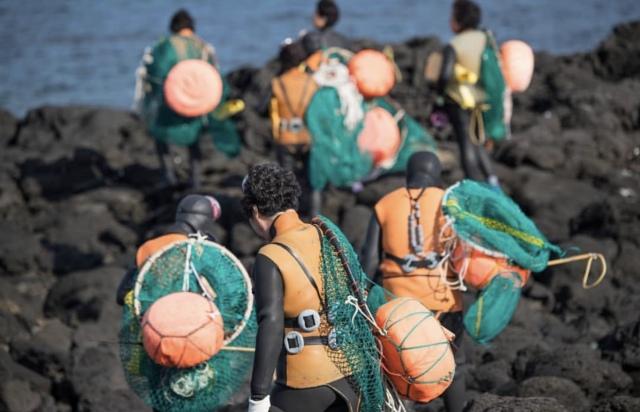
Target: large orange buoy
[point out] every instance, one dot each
(417, 355)
(479, 268)
(380, 136)
(373, 72)
(182, 330)
(517, 64)
(193, 88)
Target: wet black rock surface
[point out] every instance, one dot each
(80, 189)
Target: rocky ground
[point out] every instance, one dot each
(80, 189)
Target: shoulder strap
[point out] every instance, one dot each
(287, 102)
(304, 268)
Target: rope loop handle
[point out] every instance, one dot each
(589, 257)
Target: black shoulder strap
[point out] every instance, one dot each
(304, 268)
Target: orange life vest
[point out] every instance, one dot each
(292, 93)
(150, 247)
(423, 284)
(312, 366)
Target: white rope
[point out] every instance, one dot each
(393, 403)
(353, 301)
(187, 268)
(335, 74)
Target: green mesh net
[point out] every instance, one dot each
(489, 220)
(357, 356)
(335, 158)
(210, 385)
(493, 84)
(494, 308)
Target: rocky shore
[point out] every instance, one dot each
(80, 188)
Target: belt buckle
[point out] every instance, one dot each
(309, 320)
(295, 124)
(293, 342)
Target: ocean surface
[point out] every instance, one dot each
(86, 51)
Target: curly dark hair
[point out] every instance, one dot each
(271, 189)
(467, 14)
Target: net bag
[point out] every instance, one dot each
(489, 221)
(417, 355)
(494, 308)
(344, 283)
(205, 268)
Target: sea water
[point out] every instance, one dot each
(86, 51)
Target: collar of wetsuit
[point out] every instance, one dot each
(186, 229)
(418, 182)
(285, 222)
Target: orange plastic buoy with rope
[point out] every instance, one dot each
(182, 330)
(380, 136)
(193, 88)
(477, 268)
(373, 72)
(416, 349)
(517, 64)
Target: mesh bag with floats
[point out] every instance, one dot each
(495, 249)
(212, 273)
(489, 221)
(344, 284)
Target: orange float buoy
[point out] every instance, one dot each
(517, 64)
(380, 136)
(373, 72)
(182, 330)
(479, 268)
(417, 355)
(193, 88)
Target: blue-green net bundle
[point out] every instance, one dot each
(335, 157)
(493, 309)
(490, 221)
(357, 356)
(210, 385)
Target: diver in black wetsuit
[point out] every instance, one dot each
(289, 301)
(465, 49)
(324, 36)
(387, 245)
(195, 214)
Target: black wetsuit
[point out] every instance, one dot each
(475, 161)
(270, 353)
(322, 39)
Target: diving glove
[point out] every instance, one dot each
(262, 405)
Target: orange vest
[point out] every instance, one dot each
(152, 246)
(292, 93)
(392, 212)
(312, 366)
